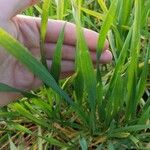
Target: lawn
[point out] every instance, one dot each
(106, 107)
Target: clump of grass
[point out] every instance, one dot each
(102, 109)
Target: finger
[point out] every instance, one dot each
(55, 27)
(23, 78)
(68, 53)
(10, 8)
(106, 57)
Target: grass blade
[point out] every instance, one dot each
(60, 9)
(93, 13)
(83, 144)
(56, 62)
(44, 21)
(22, 111)
(133, 128)
(142, 82)
(125, 10)
(120, 63)
(87, 71)
(132, 70)
(12, 145)
(144, 117)
(7, 88)
(109, 19)
(79, 83)
(103, 6)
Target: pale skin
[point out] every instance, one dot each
(26, 30)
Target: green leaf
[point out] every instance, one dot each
(44, 21)
(133, 128)
(99, 147)
(145, 12)
(51, 140)
(125, 10)
(111, 146)
(7, 88)
(103, 5)
(39, 141)
(60, 9)
(19, 127)
(22, 111)
(93, 13)
(118, 39)
(132, 69)
(79, 85)
(83, 144)
(145, 116)
(108, 21)
(120, 63)
(111, 39)
(44, 106)
(143, 79)
(56, 62)
(12, 145)
(87, 69)
(115, 101)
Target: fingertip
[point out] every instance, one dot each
(106, 57)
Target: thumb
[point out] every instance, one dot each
(10, 8)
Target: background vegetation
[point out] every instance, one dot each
(105, 108)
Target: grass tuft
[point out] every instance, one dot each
(107, 107)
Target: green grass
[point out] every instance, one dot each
(102, 108)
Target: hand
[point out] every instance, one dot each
(27, 30)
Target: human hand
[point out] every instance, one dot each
(27, 30)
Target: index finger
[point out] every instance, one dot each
(55, 27)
